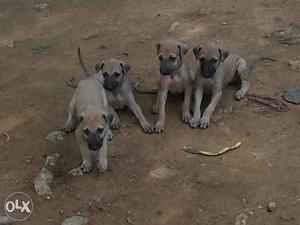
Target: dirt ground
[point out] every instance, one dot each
(205, 190)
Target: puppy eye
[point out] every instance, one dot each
(214, 60)
(172, 58)
(100, 130)
(86, 131)
(202, 59)
(160, 57)
(117, 74)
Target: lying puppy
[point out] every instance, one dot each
(216, 69)
(119, 91)
(88, 115)
(174, 76)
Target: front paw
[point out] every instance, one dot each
(148, 129)
(102, 166)
(195, 122)
(158, 127)
(186, 117)
(86, 166)
(115, 123)
(204, 122)
(70, 125)
(155, 109)
(240, 95)
(110, 135)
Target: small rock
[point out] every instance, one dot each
(173, 26)
(271, 207)
(163, 173)
(5, 220)
(42, 7)
(52, 159)
(267, 64)
(292, 95)
(76, 220)
(224, 23)
(76, 172)
(90, 35)
(8, 43)
(55, 136)
(241, 219)
(294, 64)
(42, 183)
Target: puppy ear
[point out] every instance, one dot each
(183, 49)
(125, 67)
(157, 47)
(107, 117)
(197, 51)
(99, 67)
(223, 55)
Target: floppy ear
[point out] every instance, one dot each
(125, 67)
(157, 48)
(197, 51)
(183, 49)
(223, 55)
(107, 117)
(99, 67)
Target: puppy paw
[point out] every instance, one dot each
(70, 125)
(240, 95)
(110, 135)
(195, 122)
(115, 123)
(102, 166)
(158, 127)
(148, 129)
(204, 122)
(86, 166)
(155, 109)
(186, 117)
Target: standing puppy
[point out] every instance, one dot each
(119, 91)
(216, 69)
(88, 115)
(175, 77)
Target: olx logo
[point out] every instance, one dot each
(18, 206)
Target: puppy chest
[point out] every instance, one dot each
(116, 101)
(176, 84)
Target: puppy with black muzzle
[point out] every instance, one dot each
(175, 77)
(216, 69)
(88, 117)
(119, 91)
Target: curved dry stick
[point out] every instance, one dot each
(6, 135)
(72, 82)
(191, 150)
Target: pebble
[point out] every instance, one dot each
(42, 7)
(76, 220)
(8, 43)
(52, 159)
(241, 219)
(42, 183)
(271, 207)
(76, 172)
(294, 64)
(173, 26)
(55, 136)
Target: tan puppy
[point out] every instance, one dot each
(216, 69)
(174, 76)
(119, 91)
(88, 115)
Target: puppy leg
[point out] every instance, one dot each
(186, 114)
(216, 96)
(243, 74)
(162, 98)
(71, 122)
(195, 121)
(103, 161)
(136, 109)
(86, 164)
(115, 122)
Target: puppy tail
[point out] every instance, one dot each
(145, 91)
(252, 65)
(85, 71)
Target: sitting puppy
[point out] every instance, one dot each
(119, 91)
(174, 76)
(88, 115)
(216, 69)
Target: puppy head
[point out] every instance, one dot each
(170, 54)
(113, 71)
(93, 126)
(209, 58)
